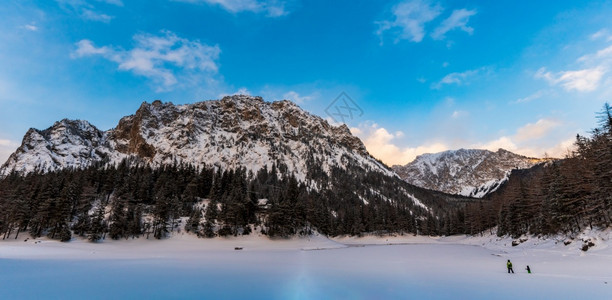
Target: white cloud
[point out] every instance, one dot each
(594, 71)
(584, 80)
(460, 78)
(86, 10)
(295, 97)
(458, 19)
(459, 114)
(30, 27)
(7, 147)
(272, 8)
(95, 16)
(537, 95)
(409, 19)
(603, 34)
(86, 47)
(160, 58)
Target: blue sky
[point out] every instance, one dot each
(427, 76)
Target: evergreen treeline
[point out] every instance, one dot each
(564, 196)
(132, 200)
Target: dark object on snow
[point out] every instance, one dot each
(509, 265)
(237, 248)
(587, 244)
(528, 270)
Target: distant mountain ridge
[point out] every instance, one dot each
(467, 172)
(236, 131)
(168, 161)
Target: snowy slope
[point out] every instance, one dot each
(190, 268)
(467, 172)
(236, 131)
(65, 144)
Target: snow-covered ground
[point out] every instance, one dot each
(400, 267)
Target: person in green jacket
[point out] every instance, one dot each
(509, 265)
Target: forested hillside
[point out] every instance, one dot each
(564, 196)
(131, 201)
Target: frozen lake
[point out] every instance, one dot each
(419, 271)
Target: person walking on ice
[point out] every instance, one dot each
(509, 265)
(528, 269)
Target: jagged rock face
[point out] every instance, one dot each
(467, 172)
(236, 131)
(65, 144)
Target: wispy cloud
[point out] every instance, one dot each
(408, 19)
(458, 19)
(537, 95)
(95, 16)
(461, 78)
(88, 11)
(272, 8)
(459, 114)
(602, 34)
(30, 27)
(161, 58)
(584, 80)
(595, 68)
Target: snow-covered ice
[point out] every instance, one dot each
(401, 267)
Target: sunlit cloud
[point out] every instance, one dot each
(536, 130)
(381, 144)
(531, 140)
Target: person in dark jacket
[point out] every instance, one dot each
(528, 269)
(509, 265)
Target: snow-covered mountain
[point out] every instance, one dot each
(236, 131)
(467, 172)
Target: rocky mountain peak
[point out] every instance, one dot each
(236, 131)
(468, 172)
